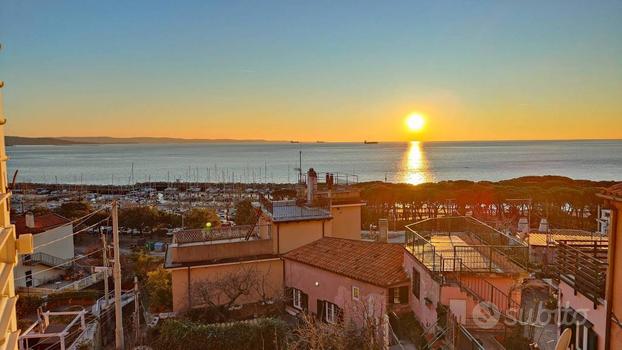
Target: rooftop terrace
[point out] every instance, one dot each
(451, 244)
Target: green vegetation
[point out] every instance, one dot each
(245, 214)
(567, 203)
(262, 334)
(158, 290)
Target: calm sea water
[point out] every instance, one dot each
(413, 162)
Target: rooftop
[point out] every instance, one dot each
(614, 191)
(291, 210)
(377, 263)
(43, 222)
(449, 244)
(556, 235)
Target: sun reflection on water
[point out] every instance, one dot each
(414, 165)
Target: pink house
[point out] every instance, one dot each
(341, 279)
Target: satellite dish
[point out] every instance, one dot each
(564, 340)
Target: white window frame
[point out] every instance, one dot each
(297, 298)
(330, 312)
(356, 293)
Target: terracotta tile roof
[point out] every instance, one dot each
(373, 262)
(615, 190)
(43, 222)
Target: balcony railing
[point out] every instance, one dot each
(583, 266)
(47, 260)
(293, 210)
(223, 233)
(500, 248)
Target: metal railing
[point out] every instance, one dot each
(291, 209)
(223, 233)
(506, 248)
(47, 260)
(485, 291)
(583, 266)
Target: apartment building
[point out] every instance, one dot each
(326, 205)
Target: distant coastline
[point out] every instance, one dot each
(107, 140)
(104, 140)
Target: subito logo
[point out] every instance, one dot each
(486, 315)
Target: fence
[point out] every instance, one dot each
(583, 265)
(222, 233)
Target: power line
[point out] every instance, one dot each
(72, 234)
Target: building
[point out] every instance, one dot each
(342, 279)
(590, 276)
(10, 247)
(463, 267)
(321, 209)
(613, 201)
(53, 238)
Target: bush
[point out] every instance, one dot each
(265, 333)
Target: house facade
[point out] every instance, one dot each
(54, 248)
(337, 279)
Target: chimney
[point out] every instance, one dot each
(311, 185)
(30, 220)
(383, 230)
(544, 225)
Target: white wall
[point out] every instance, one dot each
(63, 248)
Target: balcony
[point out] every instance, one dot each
(445, 244)
(222, 244)
(583, 266)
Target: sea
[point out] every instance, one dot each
(406, 162)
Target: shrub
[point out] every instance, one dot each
(265, 333)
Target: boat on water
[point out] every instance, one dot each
(294, 141)
(370, 142)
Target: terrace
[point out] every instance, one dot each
(454, 244)
(219, 244)
(294, 210)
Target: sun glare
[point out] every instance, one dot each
(415, 122)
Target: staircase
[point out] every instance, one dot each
(47, 260)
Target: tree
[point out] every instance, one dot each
(199, 217)
(74, 210)
(158, 290)
(139, 218)
(245, 213)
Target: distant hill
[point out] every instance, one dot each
(119, 140)
(18, 141)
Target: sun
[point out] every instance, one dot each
(415, 122)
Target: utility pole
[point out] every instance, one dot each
(136, 311)
(118, 310)
(105, 257)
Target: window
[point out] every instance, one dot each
(398, 295)
(356, 293)
(416, 280)
(297, 298)
(331, 312)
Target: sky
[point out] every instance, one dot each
(313, 70)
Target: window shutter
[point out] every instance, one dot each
(391, 294)
(320, 310)
(416, 282)
(304, 301)
(403, 295)
(289, 296)
(592, 339)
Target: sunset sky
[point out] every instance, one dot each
(313, 70)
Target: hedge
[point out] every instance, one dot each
(260, 334)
